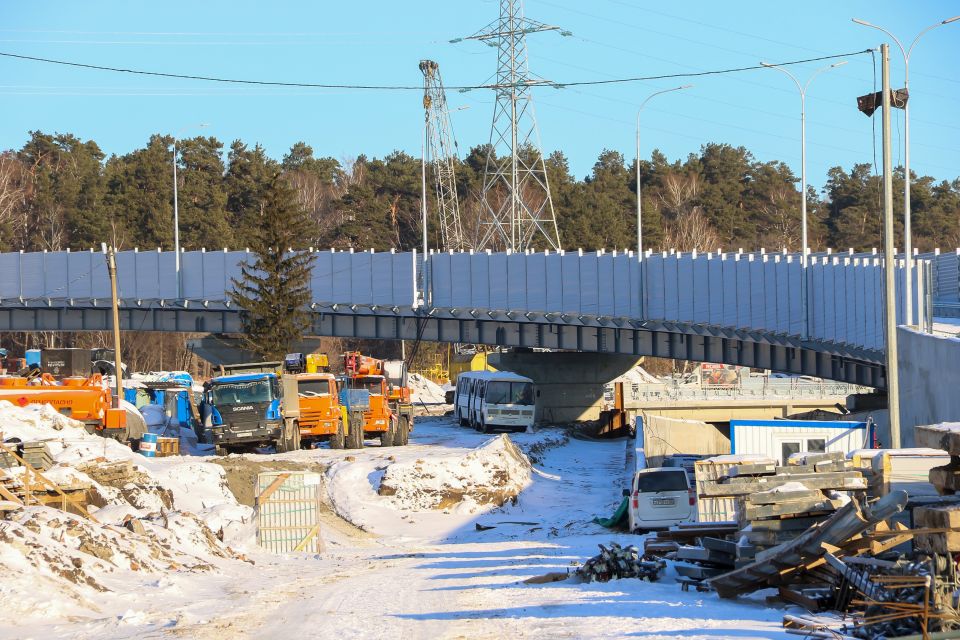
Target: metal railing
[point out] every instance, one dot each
(752, 388)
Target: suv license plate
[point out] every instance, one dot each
(664, 502)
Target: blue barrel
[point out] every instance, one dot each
(148, 445)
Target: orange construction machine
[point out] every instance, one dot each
(387, 412)
(77, 397)
(320, 412)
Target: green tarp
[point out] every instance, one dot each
(619, 518)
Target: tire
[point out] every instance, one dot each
(221, 450)
(389, 437)
(403, 432)
(463, 421)
(355, 436)
(295, 442)
(483, 426)
(338, 440)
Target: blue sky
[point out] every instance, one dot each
(381, 42)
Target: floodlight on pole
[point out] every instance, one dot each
(907, 230)
(802, 88)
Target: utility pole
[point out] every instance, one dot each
(889, 261)
(118, 366)
(516, 206)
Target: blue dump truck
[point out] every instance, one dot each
(244, 412)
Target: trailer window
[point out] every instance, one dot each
(816, 445)
(509, 393)
(787, 449)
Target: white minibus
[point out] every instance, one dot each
(494, 400)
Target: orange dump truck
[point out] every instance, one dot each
(83, 399)
(320, 413)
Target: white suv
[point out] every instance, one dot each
(661, 498)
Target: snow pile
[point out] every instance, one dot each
(425, 391)
(150, 516)
(491, 474)
(638, 375)
(34, 421)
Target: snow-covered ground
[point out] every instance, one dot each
(393, 566)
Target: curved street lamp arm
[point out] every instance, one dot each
(792, 77)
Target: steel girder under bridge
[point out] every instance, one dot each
(739, 308)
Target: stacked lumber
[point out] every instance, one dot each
(168, 447)
(36, 454)
(776, 503)
(946, 436)
(713, 470)
(710, 558)
(942, 520)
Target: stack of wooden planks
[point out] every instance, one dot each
(37, 455)
(939, 524)
(776, 503)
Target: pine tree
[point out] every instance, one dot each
(275, 290)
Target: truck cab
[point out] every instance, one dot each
(320, 412)
(243, 412)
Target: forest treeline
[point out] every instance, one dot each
(59, 192)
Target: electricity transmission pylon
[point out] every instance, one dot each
(441, 150)
(516, 208)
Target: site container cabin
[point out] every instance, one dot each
(488, 400)
(779, 439)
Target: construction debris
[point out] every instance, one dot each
(620, 562)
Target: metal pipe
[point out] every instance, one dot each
(889, 262)
(118, 365)
(176, 223)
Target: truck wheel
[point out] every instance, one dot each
(355, 436)
(483, 426)
(403, 432)
(221, 450)
(389, 437)
(295, 442)
(337, 440)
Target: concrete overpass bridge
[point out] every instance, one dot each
(735, 308)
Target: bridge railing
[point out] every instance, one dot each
(759, 293)
(754, 389)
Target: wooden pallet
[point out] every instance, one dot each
(33, 488)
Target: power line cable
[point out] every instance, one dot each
(398, 87)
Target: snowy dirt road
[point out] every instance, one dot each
(395, 572)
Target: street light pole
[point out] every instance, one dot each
(176, 222)
(803, 178)
(176, 212)
(639, 206)
(907, 231)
